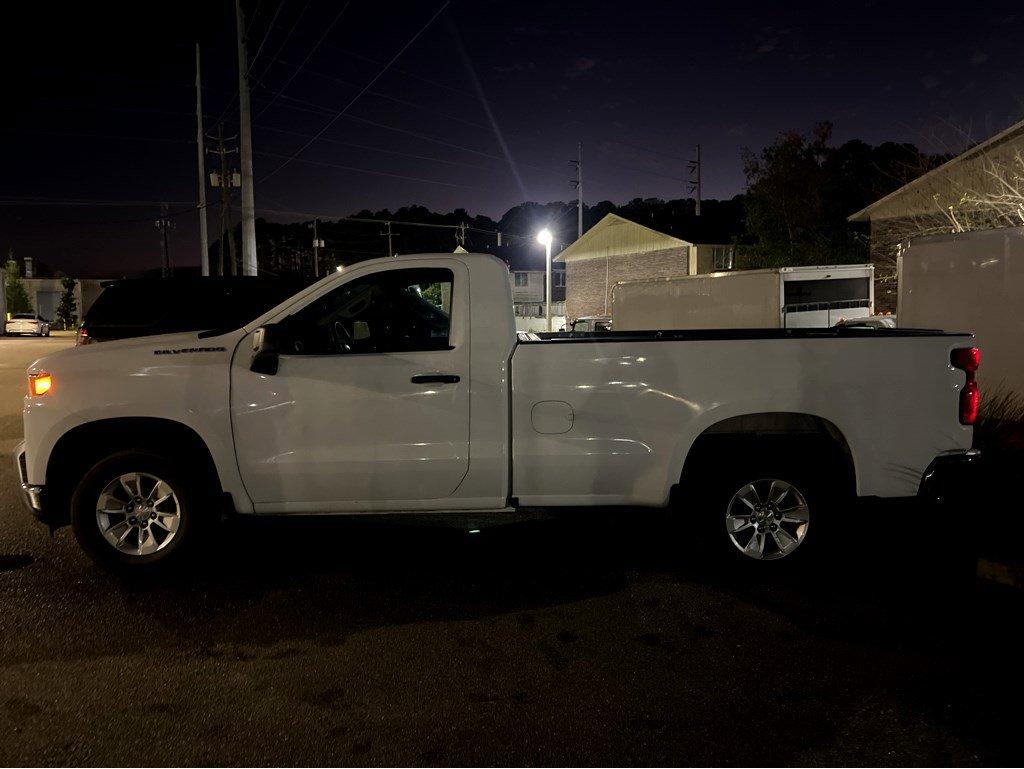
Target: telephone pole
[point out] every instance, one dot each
(695, 182)
(245, 143)
(317, 245)
(387, 231)
(164, 224)
(204, 247)
(225, 179)
(578, 184)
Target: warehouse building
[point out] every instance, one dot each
(617, 249)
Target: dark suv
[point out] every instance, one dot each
(148, 306)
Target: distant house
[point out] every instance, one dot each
(45, 293)
(939, 202)
(617, 249)
(526, 274)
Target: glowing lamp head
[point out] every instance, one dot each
(544, 237)
(39, 384)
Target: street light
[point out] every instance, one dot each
(544, 237)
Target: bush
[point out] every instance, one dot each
(1000, 424)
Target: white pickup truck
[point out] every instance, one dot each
(401, 385)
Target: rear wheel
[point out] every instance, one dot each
(768, 519)
(773, 511)
(135, 511)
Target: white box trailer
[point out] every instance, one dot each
(786, 297)
(970, 281)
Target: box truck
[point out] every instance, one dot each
(786, 297)
(970, 281)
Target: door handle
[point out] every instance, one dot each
(435, 379)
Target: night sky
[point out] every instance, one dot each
(482, 110)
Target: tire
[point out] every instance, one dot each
(146, 545)
(765, 514)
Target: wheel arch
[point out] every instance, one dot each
(83, 446)
(744, 435)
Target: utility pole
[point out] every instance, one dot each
(225, 179)
(204, 247)
(245, 143)
(317, 245)
(578, 184)
(695, 182)
(387, 231)
(164, 224)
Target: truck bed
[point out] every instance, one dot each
(638, 400)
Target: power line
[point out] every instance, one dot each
(395, 99)
(313, 107)
(367, 87)
(304, 105)
(266, 35)
(368, 171)
(284, 42)
(646, 171)
(309, 55)
(111, 137)
(377, 149)
(405, 72)
(41, 201)
(648, 149)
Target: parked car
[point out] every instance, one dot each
(26, 323)
(400, 384)
(150, 306)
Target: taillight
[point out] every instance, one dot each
(39, 384)
(968, 359)
(82, 337)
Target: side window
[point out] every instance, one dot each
(388, 311)
(522, 279)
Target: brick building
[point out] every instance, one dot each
(617, 249)
(934, 204)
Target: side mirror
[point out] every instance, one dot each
(265, 346)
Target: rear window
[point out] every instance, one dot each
(164, 306)
(22, 316)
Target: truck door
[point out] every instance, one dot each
(369, 408)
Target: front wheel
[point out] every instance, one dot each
(135, 511)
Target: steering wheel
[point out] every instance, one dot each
(341, 337)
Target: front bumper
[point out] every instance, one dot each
(33, 496)
(951, 477)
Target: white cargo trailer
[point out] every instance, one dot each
(787, 297)
(970, 281)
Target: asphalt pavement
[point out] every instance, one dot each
(598, 639)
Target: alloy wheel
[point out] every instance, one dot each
(138, 513)
(767, 519)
